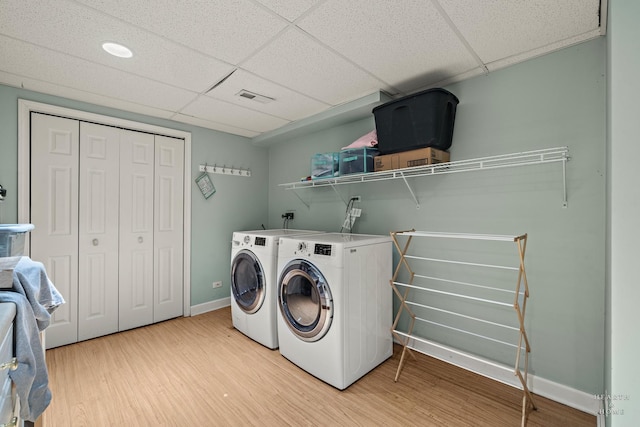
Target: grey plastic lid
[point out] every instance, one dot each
(16, 228)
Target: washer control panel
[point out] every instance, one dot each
(322, 249)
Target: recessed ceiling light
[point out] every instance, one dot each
(118, 50)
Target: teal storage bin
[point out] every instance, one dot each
(357, 160)
(325, 165)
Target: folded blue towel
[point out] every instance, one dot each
(35, 298)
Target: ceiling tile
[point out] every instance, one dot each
(213, 110)
(78, 95)
(154, 57)
(515, 59)
(289, 9)
(213, 125)
(296, 61)
(15, 80)
(287, 104)
(406, 44)
(478, 71)
(64, 70)
(309, 55)
(500, 28)
(228, 30)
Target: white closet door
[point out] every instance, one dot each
(98, 230)
(137, 161)
(54, 202)
(168, 224)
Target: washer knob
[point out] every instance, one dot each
(247, 239)
(302, 246)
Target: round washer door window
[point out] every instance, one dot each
(305, 300)
(247, 282)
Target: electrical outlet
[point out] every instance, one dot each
(356, 199)
(217, 284)
(287, 215)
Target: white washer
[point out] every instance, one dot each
(254, 283)
(335, 304)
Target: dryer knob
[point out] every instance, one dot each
(302, 246)
(247, 239)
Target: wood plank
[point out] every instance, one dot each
(201, 371)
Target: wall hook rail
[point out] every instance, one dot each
(224, 170)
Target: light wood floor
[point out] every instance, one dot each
(199, 371)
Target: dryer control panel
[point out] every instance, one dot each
(322, 249)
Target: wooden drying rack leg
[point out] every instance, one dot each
(403, 340)
(527, 398)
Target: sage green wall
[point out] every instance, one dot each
(554, 100)
(239, 203)
(623, 343)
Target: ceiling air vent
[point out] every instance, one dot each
(254, 97)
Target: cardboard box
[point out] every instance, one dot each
(407, 159)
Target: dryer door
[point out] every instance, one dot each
(305, 300)
(247, 281)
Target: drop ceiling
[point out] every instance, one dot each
(193, 58)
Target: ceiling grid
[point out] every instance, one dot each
(192, 59)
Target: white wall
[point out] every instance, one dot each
(623, 369)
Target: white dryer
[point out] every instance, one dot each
(254, 283)
(335, 304)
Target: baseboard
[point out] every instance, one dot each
(210, 306)
(601, 420)
(577, 399)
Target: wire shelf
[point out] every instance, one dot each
(535, 157)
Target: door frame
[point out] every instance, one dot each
(26, 107)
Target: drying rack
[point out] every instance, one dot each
(452, 285)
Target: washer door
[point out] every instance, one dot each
(247, 281)
(305, 300)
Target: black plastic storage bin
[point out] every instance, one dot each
(424, 119)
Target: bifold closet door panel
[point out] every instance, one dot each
(137, 162)
(98, 225)
(54, 212)
(168, 225)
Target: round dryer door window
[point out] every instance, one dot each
(305, 300)
(247, 282)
